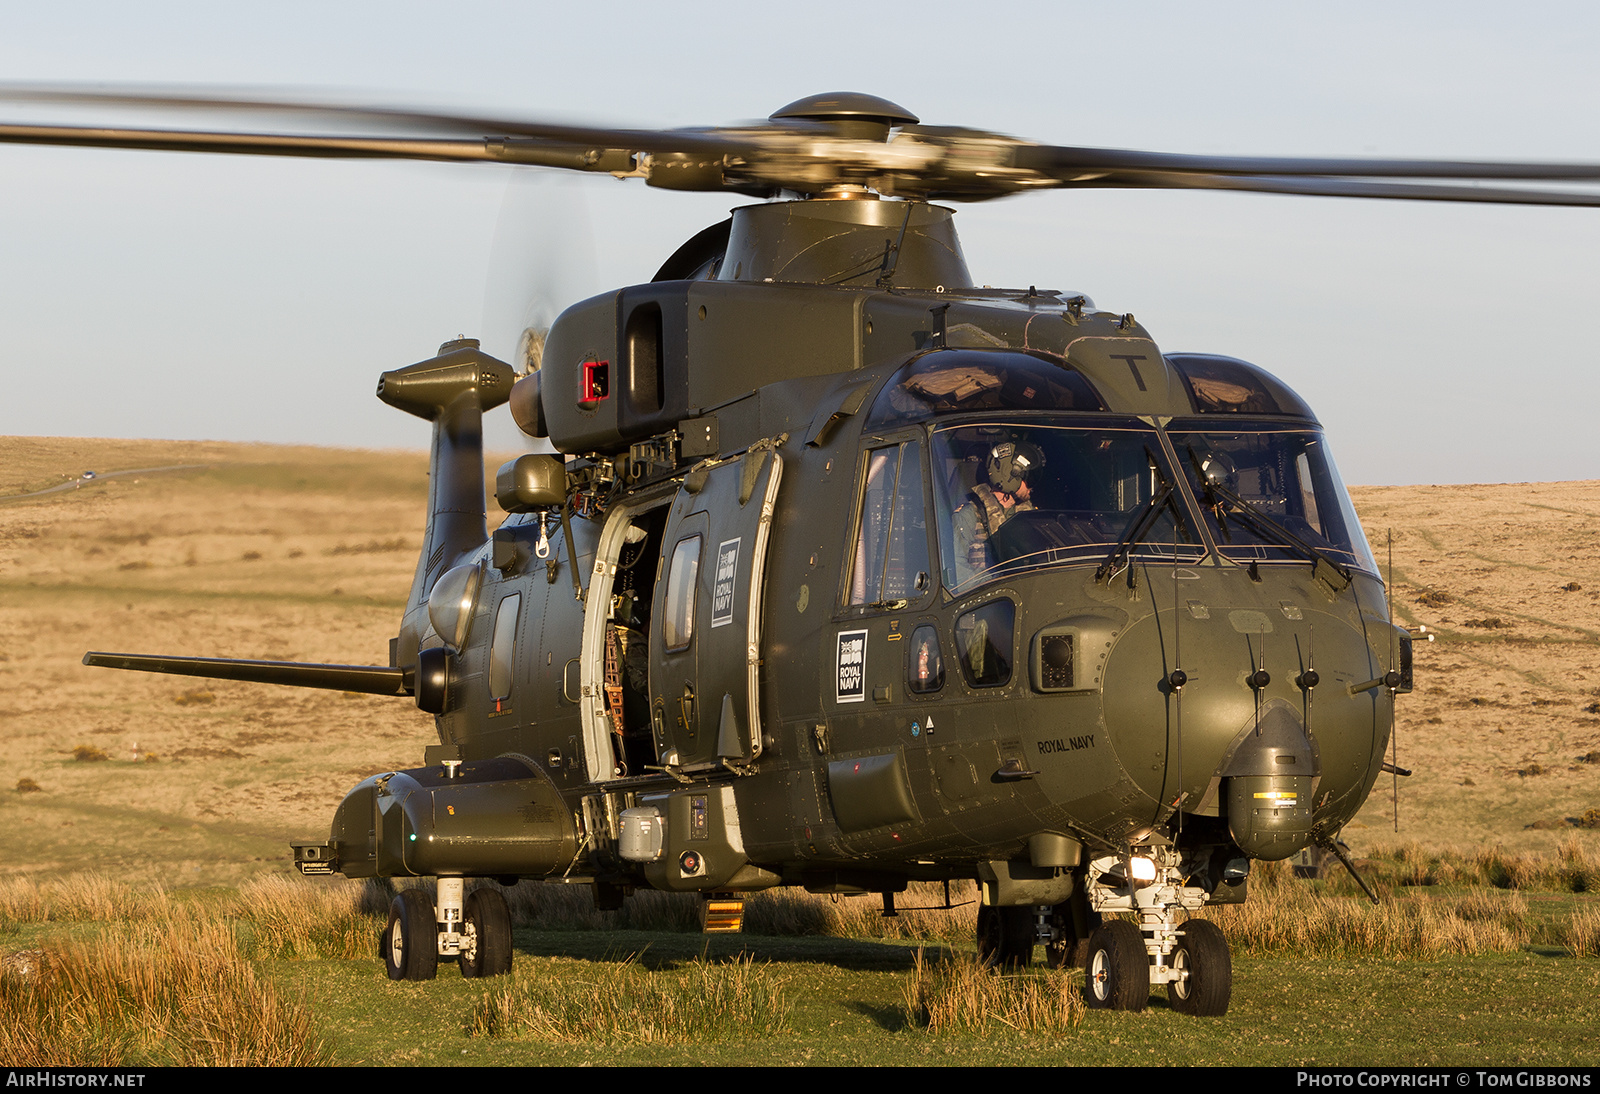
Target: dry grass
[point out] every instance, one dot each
(1583, 934)
(1572, 867)
(168, 992)
(293, 917)
(571, 908)
(958, 994)
(78, 898)
(288, 916)
(373, 547)
(1285, 915)
(569, 1001)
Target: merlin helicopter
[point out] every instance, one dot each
(850, 571)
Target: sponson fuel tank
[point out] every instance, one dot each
(501, 816)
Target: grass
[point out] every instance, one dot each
(284, 970)
(171, 991)
(219, 976)
(704, 1000)
(1572, 867)
(960, 994)
(1295, 918)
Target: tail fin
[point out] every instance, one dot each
(452, 391)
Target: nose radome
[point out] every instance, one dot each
(1269, 777)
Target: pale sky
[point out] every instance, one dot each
(236, 298)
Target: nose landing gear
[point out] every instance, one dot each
(1125, 961)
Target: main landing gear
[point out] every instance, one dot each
(1006, 936)
(475, 931)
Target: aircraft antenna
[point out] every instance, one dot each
(1394, 722)
(1179, 677)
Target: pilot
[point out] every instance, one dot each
(989, 505)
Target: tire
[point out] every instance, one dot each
(411, 940)
(1071, 954)
(1070, 951)
(486, 931)
(1117, 971)
(1207, 984)
(1005, 936)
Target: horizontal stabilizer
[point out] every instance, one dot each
(370, 679)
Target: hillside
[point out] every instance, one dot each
(307, 553)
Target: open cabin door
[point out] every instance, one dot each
(706, 624)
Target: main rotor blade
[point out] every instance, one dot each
(1347, 188)
(433, 123)
(1066, 162)
(576, 158)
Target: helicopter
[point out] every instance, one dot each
(849, 571)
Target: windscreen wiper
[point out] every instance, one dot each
(1139, 524)
(1264, 524)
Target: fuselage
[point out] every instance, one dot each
(855, 573)
(908, 705)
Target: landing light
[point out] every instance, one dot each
(1142, 869)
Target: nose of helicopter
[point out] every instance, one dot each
(1235, 723)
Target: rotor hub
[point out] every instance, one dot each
(849, 113)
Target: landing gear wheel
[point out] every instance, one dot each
(486, 935)
(1070, 950)
(1117, 973)
(1207, 981)
(1072, 953)
(1005, 936)
(411, 940)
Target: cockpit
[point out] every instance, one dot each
(1029, 470)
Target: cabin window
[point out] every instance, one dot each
(502, 651)
(677, 628)
(891, 549)
(983, 639)
(925, 667)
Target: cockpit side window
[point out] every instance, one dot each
(1226, 385)
(890, 560)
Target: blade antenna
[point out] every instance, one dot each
(891, 256)
(1309, 675)
(1179, 677)
(1394, 722)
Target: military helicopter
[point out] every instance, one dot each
(852, 572)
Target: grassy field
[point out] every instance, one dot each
(281, 971)
(306, 554)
